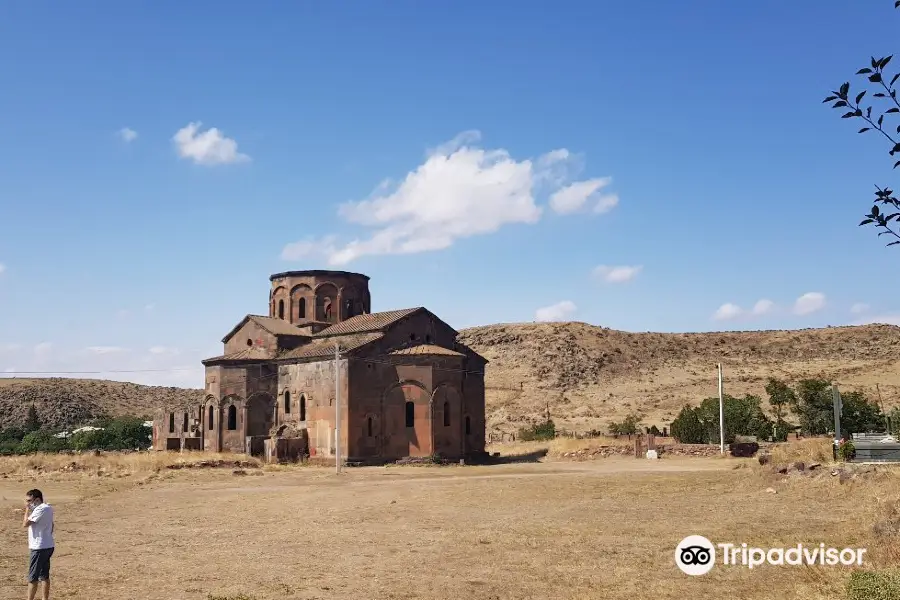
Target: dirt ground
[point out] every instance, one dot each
(554, 530)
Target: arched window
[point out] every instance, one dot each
(281, 309)
(287, 402)
(468, 426)
(410, 414)
(211, 417)
(301, 311)
(184, 423)
(327, 307)
(369, 426)
(348, 308)
(446, 414)
(232, 417)
(171, 422)
(302, 407)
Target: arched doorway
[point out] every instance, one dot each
(407, 421)
(260, 411)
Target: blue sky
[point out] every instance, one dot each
(636, 165)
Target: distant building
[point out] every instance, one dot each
(407, 387)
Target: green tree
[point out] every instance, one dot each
(859, 415)
(781, 398)
(687, 428)
(742, 416)
(814, 406)
(32, 421)
(882, 103)
(42, 441)
(629, 426)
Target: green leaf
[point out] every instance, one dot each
(891, 244)
(845, 89)
(875, 211)
(896, 163)
(865, 222)
(896, 148)
(839, 104)
(848, 115)
(893, 110)
(879, 95)
(875, 77)
(894, 79)
(867, 70)
(874, 62)
(884, 61)
(868, 112)
(897, 4)
(829, 99)
(880, 120)
(864, 129)
(860, 95)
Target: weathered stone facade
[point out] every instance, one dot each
(405, 385)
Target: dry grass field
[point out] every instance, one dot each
(128, 527)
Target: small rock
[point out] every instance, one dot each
(781, 470)
(771, 491)
(814, 466)
(764, 459)
(799, 466)
(239, 472)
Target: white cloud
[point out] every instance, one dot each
(127, 134)
(105, 349)
(606, 203)
(859, 308)
(727, 312)
(763, 307)
(460, 191)
(574, 196)
(618, 274)
(207, 148)
(561, 311)
(809, 303)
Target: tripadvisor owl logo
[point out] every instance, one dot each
(695, 555)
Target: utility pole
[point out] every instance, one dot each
(721, 414)
(337, 409)
(836, 399)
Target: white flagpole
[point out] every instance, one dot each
(721, 414)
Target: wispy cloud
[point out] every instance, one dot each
(561, 311)
(127, 134)
(619, 274)
(460, 191)
(209, 147)
(859, 308)
(809, 303)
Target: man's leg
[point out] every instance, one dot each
(44, 572)
(32, 574)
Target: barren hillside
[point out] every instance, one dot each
(70, 402)
(592, 375)
(589, 375)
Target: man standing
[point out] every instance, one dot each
(39, 521)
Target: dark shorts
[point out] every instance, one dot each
(39, 565)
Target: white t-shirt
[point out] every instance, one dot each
(40, 533)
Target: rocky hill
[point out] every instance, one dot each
(586, 375)
(70, 402)
(589, 376)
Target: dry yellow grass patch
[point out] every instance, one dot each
(107, 463)
(810, 450)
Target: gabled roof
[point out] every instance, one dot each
(273, 326)
(426, 350)
(324, 347)
(370, 322)
(254, 353)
